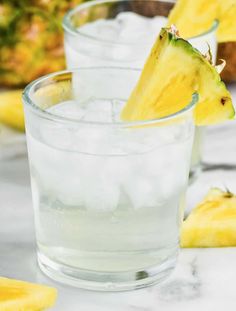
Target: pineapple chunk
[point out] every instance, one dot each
(23, 296)
(173, 72)
(11, 109)
(212, 223)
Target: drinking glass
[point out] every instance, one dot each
(107, 195)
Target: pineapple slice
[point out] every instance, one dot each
(212, 223)
(11, 109)
(23, 296)
(226, 31)
(172, 73)
(193, 17)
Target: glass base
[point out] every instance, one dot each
(194, 173)
(106, 281)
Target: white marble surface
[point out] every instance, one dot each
(204, 279)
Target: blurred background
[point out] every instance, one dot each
(31, 45)
(31, 39)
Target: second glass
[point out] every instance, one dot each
(121, 33)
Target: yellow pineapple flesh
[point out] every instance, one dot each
(23, 296)
(193, 17)
(212, 223)
(11, 109)
(174, 71)
(227, 27)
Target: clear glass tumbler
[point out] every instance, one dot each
(114, 33)
(107, 195)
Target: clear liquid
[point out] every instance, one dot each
(108, 201)
(123, 240)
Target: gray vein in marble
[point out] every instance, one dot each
(183, 288)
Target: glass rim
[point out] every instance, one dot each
(75, 32)
(58, 118)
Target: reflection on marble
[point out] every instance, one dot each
(204, 279)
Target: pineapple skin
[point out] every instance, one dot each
(212, 223)
(31, 39)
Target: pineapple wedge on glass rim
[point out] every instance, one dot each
(174, 71)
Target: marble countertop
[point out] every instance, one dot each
(203, 279)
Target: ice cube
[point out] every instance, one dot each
(101, 195)
(133, 27)
(61, 135)
(101, 191)
(126, 27)
(70, 185)
(101, 29)
(56, 135)
(69, 109)
(141, 192)
(98, 110)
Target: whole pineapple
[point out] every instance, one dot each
(31, 39)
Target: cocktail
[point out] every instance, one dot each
(108, 195)
(121, 33)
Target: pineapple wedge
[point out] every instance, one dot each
(173, 72)
(193, 17)
(212, 223)
(226, 31)
(23, 296)
(11, 109)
